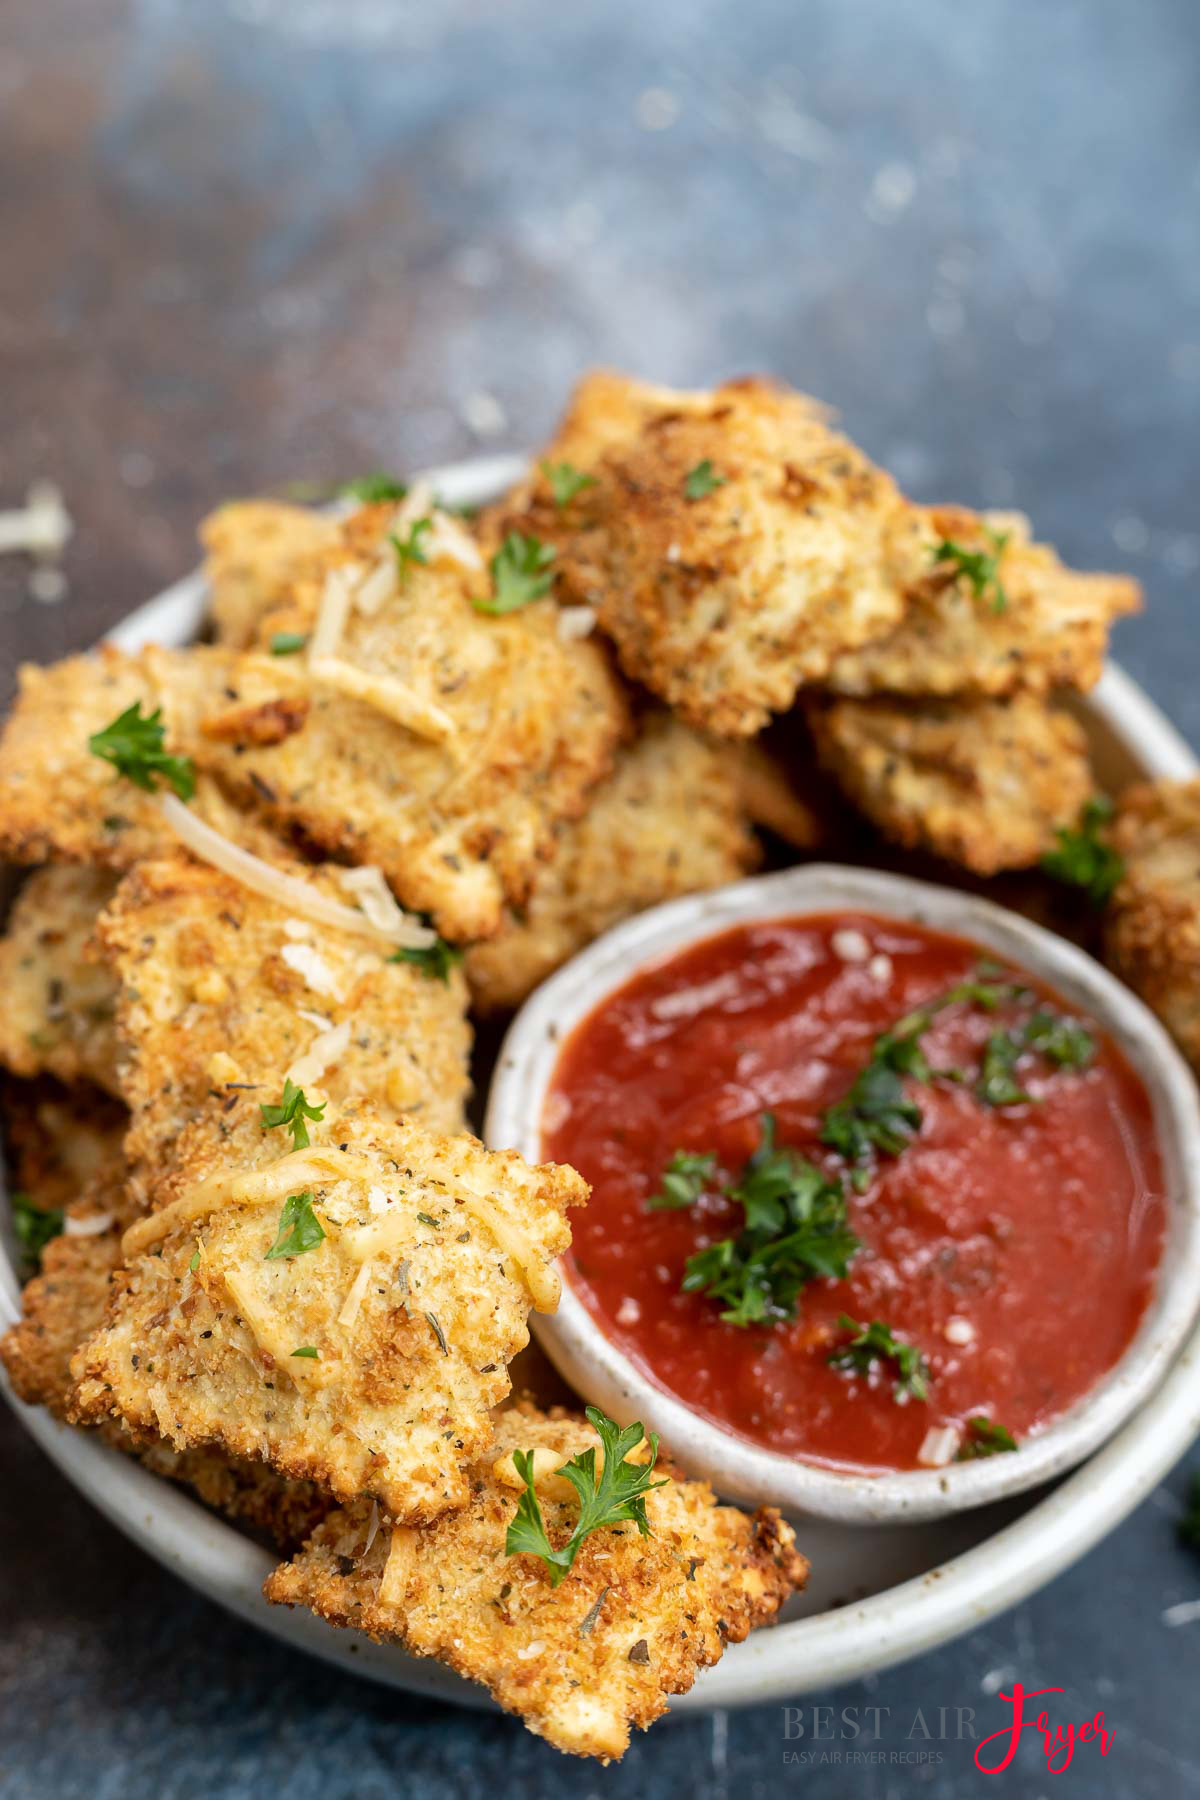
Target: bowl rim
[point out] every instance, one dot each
(596, 1365)
(812, 1653)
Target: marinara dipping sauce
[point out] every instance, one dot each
(1015, 1245)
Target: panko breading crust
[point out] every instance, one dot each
(1152, 925)
(725, 603)
(255, 548)
(982, 783)
(64, 1305)
(634, 1620)
(58, 1139)
(1051, 632)
(222, 991)
(416, 1299)
(58, 1003)
(669, 821)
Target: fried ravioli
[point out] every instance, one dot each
(1045, 626)
(981, 783)
(221, 990)
(401, 1265)
(255, 549)
(1152, 925)
(633, 1622)
(57, 1016)
(669, 821)
(59, 1139)
(732, 543)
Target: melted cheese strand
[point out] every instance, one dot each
(394, 698)
(254, 1187)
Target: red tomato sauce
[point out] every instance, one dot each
(1034, 1231)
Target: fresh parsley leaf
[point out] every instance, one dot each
(521, 572)
(979, 568)
(299, 1228)
(371, 488)
(410, 550)
(307, 1350)
(794, 1231)
(133, 744)
(292, 1113)
(435, 960)
(426, 1219)
(34, 1228)
(1189, 1524)
(878, 1343)
(286, 643)
(1083, 857)
(566, 481)
(683, 1181)
(877, 1113)
(702, 481)
(985, 1439)
(998, 1084)
(615, 1496)
(1061, 1040)
(194, 1264)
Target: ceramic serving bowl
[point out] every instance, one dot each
(598, 1367)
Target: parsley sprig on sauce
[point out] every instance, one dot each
(878, 1343)
(614, 1496)
(683, 1181)
(1084, 858)
(299, 1228)
(566, 482)
(521, 572)
(984, 1439)
(980, 569)
(292, 1112)
(133, 744)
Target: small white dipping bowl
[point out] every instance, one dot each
(601, 1371)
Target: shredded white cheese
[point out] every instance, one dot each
(328, 1047)
(41, 527)
(575, 622)
(377, 588)
(938, 1446)
(85, 1228)
(368, 885)
(850, 945)
(394, 698)
(312, 969)
(332, 613)
(958, 1331)
(354, 1298)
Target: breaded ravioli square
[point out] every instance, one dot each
(254, 550)
(225, 991)
(633, 1621)
(57, 1015)
(668, 821)
(401, 1266)
(1023, 623)
(1152, 925)
(57, 1139)
(982, 783)
(732, 543)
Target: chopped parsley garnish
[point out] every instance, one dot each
(307, 1350)
(702, 481)
(372, 488)
(287, 643)
(194, 1264)
(878, 1343)
(998, 1084)
(1189, 1524)
(426, 1219)
(294, 1110)
(410, 550)
(566, 481)
(34, 1228)
(299, 1228)
(521, 572)
(133, 744)
(985, 1439)
(794, 1231)
(683, 1181)
(435, 960)
(1062, 1041)
(980, 569)
(615, 1496)
(1083, 857)
(877, 1113)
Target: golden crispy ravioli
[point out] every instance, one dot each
(59, 803)
(1152, 926)
(781, 788)
(633, 1621)
(669, 821)
(723, 595)
(58, 1006)
(221, 990)
(57, 1139)
(1052, 630)
(255, 549)
(982, 783)
(415, 1299)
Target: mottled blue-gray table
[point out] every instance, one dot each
(257, 242)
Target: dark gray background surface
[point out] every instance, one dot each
(252, 242)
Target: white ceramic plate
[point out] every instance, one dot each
(878, 1594)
